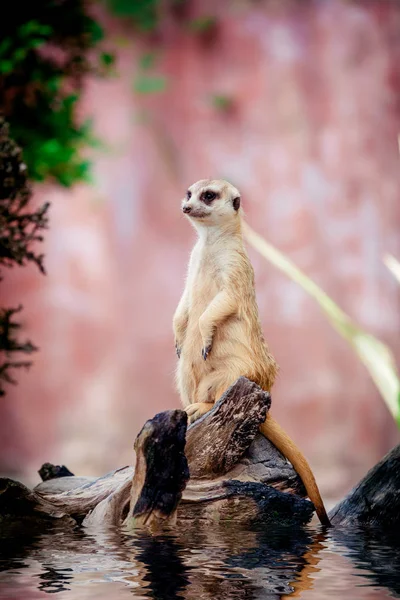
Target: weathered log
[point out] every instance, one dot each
(161, 470)
(230, 463)
(233, 469)
(17, 502)
(148, 493)
(247, 504)
(48, 471)
(105, 500)
(375, 500)
(57, 485)
(223, 489)
(221, 447)
(225, 445)
(216, 442)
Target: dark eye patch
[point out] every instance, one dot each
(188, 194)
(208, 196)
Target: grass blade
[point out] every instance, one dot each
(376, 356)
(393, 265)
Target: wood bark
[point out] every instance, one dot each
(216, 442)
(235, 475)
(231, 468)
(375, 501)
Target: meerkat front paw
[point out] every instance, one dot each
(206, 351)
(197, 410)
(178, 349)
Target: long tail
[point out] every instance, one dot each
(274, 432)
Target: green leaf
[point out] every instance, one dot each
(34, 28)
(6, 66)
(5, 45)
(203, 24)
(53, 84)
(45, 30)
(96, 31)
(36, 42)
(107, 59)
(144, 13)
(28, 28)
(393, 265)
(148, 60)
(20, 54)
(222, 102)
(150, 85)
(375, 355)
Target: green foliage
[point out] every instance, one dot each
(143, 13)
(20, 230)
(53, 142)
(44, 49)
(203, 24)
(10, 346)
(28, 36)
(222, 102)
(147, 61)
(147, 84)
(375, 355)
(107, 59)
(146, 16)
(44, 53)
(20, 227)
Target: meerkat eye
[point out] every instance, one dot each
(208, 196)
(188, 194)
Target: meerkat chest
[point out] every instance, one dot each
(205, 278)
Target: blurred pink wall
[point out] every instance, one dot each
(311, 141)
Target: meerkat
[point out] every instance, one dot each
(218, 335)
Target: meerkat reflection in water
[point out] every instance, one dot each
(217, 329)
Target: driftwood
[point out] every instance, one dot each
(218, 441)
(49, 471)
(236, 475)
(161, 470)
(375, 501)
(225, 445)
(238, 481)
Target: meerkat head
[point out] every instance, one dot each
(211, 202)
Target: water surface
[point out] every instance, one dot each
(210, 562)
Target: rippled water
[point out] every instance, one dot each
(214, 562)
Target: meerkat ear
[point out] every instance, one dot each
(236, 203)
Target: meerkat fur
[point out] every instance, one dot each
(218, 335)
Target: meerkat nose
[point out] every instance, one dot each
(187, 209)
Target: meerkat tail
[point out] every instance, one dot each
(274, 432)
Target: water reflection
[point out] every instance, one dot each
(377, 555)
(54, 580)
(164, 572)
(214, 561)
